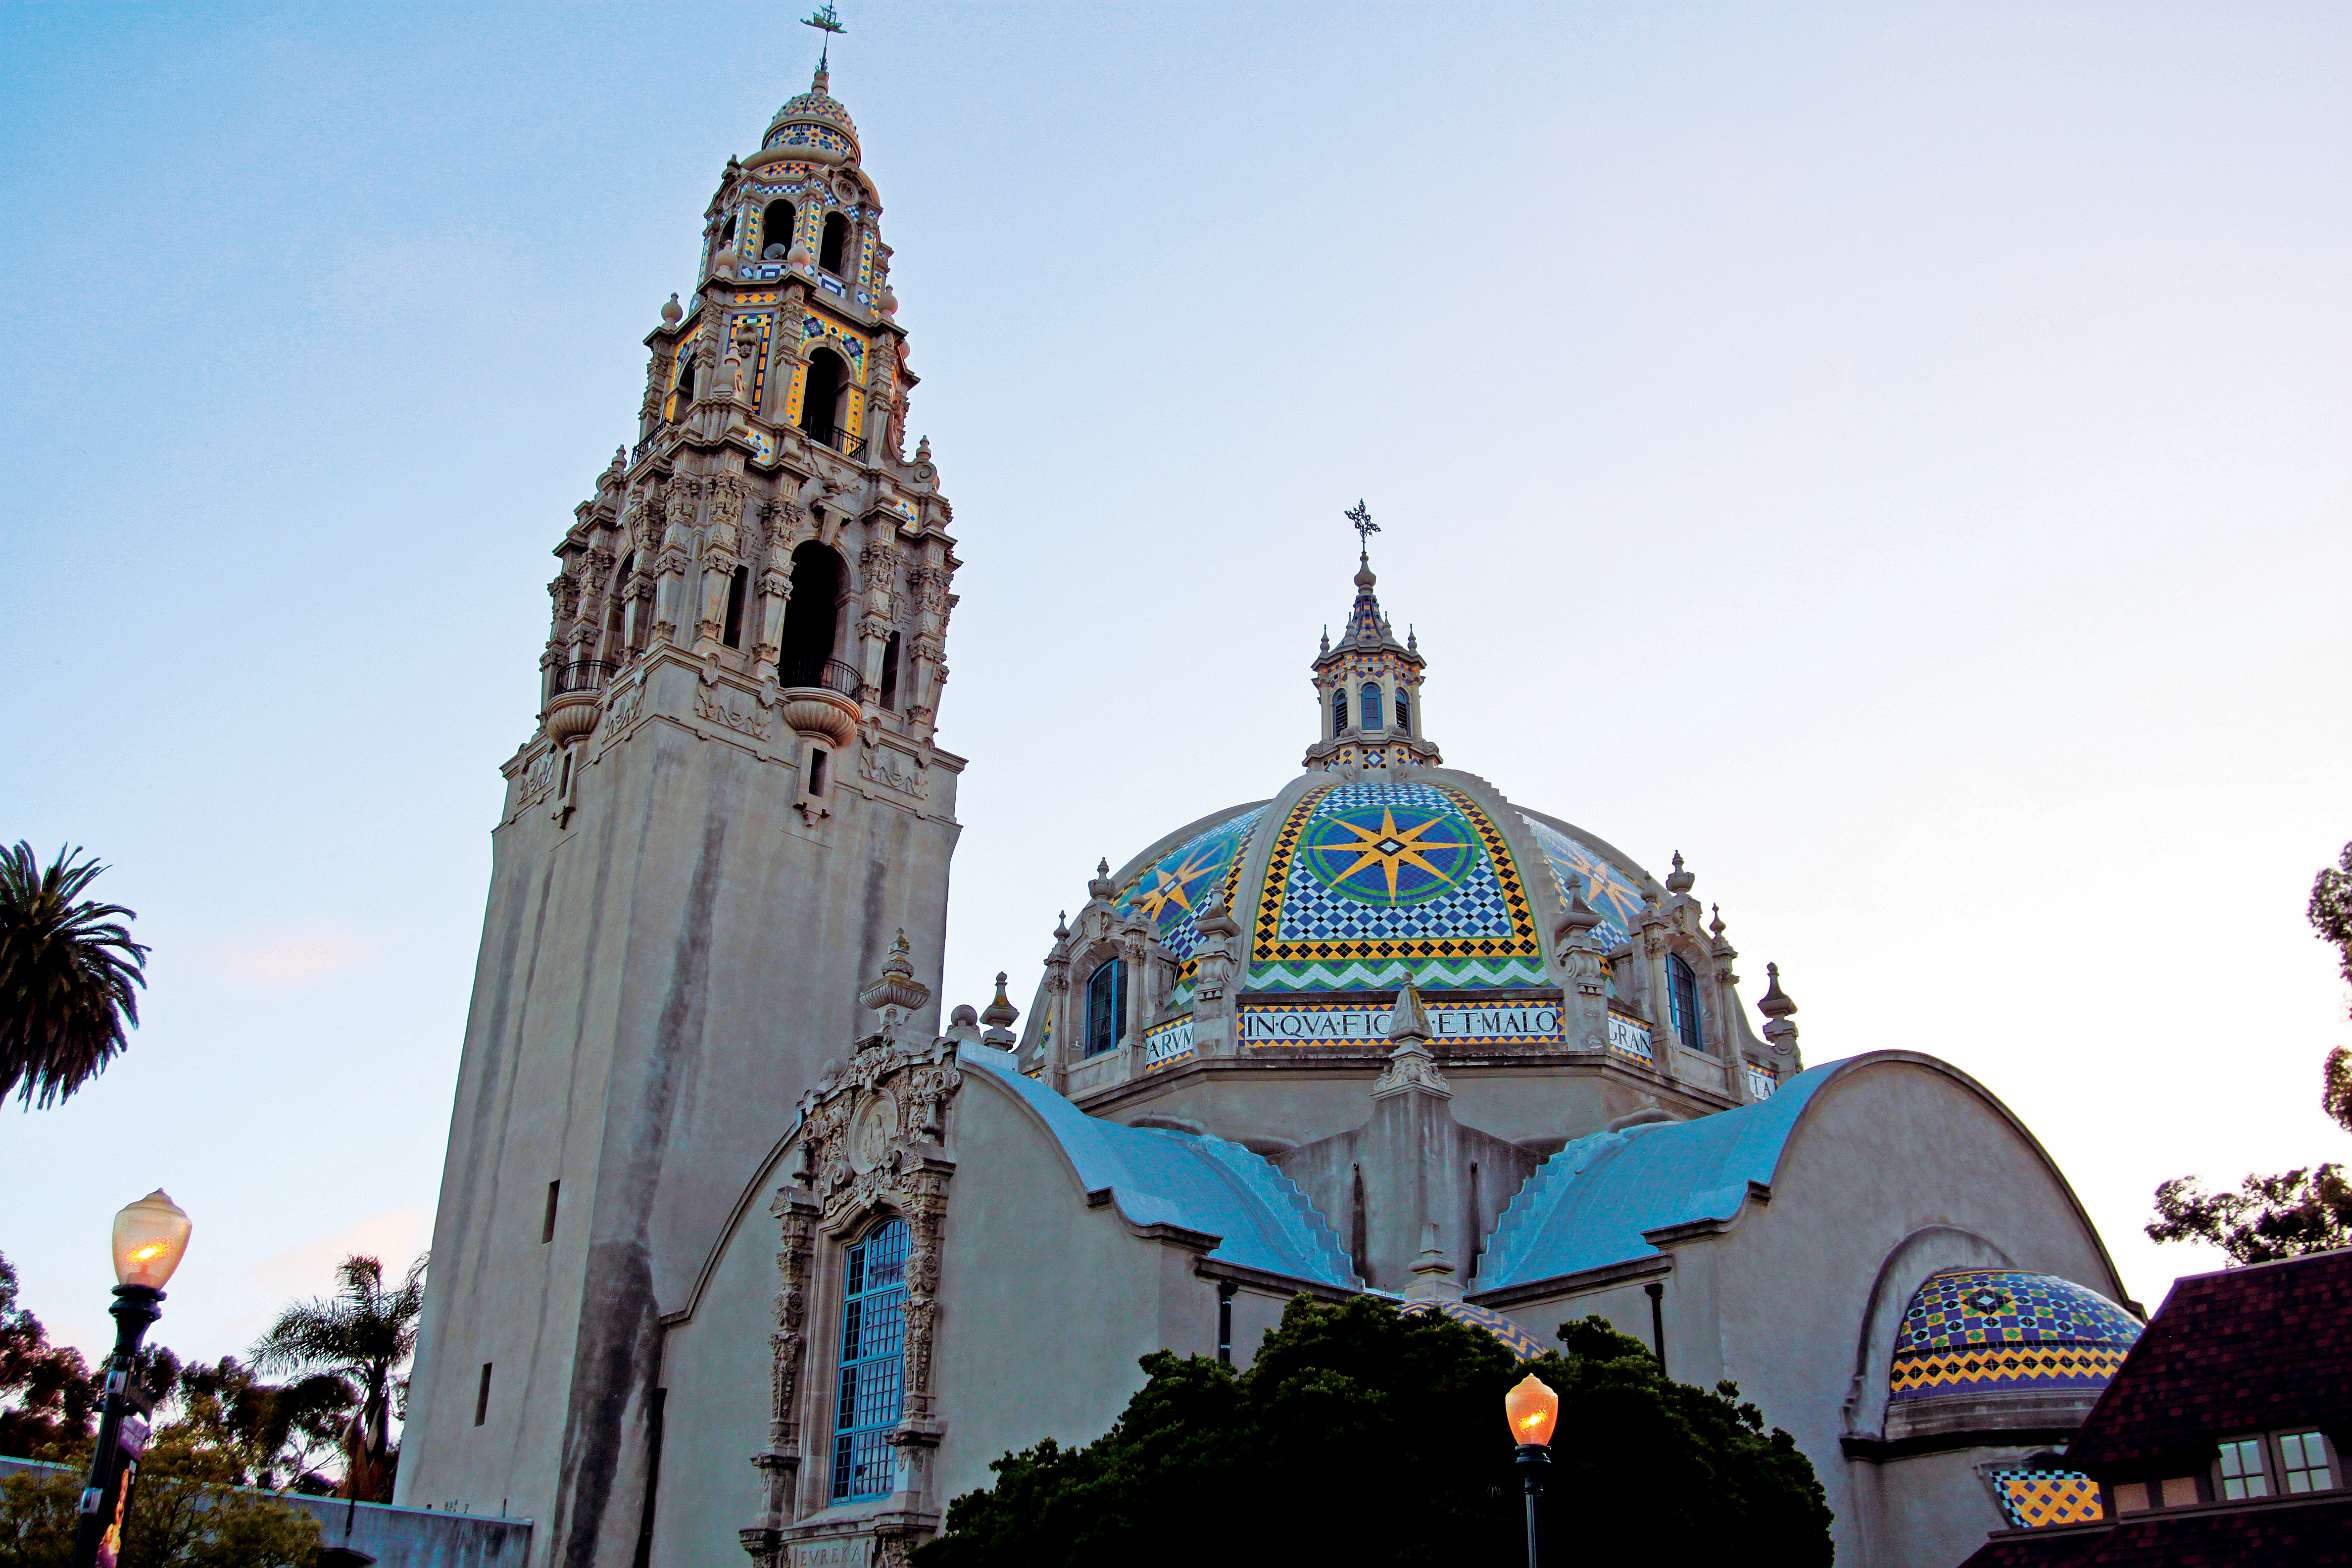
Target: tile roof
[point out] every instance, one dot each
(2259, 1348)
(2282, 1534)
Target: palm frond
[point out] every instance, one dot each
(70, 976)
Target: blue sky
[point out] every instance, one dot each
(1892, 454)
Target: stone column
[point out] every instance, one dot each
(1662, 1012)
(1726, 1012)
(1584, 976)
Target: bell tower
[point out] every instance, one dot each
(732, 801)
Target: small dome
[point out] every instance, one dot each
(814, 120)
(1516, 1340)
(1973, 1332)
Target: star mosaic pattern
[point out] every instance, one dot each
(1172, 891)
(1614, 893)
(1971, 1330)
(1396, 878)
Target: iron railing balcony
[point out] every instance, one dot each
(831, 674)
(841, 441)
(588, 675)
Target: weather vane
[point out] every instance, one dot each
(825, 21)
(1361, 517)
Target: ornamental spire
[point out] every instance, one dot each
(1367, 682)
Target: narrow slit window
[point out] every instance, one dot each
(890, 673)
(1106, 1006)
(737, 587)
(873, 1379)
(547, 1225)
(482, 1397)
(1682, 993)
(817, 770)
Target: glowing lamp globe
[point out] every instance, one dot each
(150, 1238)
(1533, 1410)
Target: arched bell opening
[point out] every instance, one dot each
(823, 396)
(812, 620)
(833, 249)
(776, 230)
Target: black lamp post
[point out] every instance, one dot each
(1533, 1410)
(150, 1238)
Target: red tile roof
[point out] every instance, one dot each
(2255, 1349)
(2284, 1533)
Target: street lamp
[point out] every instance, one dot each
(150, 1238)
(1533, 1410)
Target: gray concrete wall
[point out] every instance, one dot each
(391, 1537)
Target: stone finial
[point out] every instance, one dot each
(1680, 881)
(798, 257)
(1411, 1066)
(671, 314)
(1433, 1271)
(1365, 577)
(963, 1025)
(1780, 1032)
(1581, 917)
(1001, 1013)
(923, 450)
(896, 986)
(1100, 885)
(1715, 926)
(1412, 639)
(1327, 640)
(620, 458)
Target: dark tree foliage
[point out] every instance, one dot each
(46, 1394)
(2301, 1211)
(359, 1339)
(184, 1513)
(1363, 1436)
(70, 976)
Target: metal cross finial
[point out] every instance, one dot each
(1361, 517)
(824, 21)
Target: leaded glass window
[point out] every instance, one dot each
(1106, 1006)
(1371, 708)
(873, 1363)
(2242, 1470)
(1682, 994)
(1403, 711)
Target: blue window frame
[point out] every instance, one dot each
(1403, 711)
(1338, 710)
(1106, 1006)
(1682, 994)
(873, 1363)
(1370, 706)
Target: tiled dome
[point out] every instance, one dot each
(1971, 1332)
(1516, 1340)
(1367, 883)
(814, 118)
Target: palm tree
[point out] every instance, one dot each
(363, 1334)
(68, 977)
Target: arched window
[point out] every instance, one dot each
(684, 387)
(821, 399)
(776, 231)
(1106, 1006)
(726, 232)
(1338, 710)
(834, 245)
(1370, 706)
(1403, 711)
(736, 588)
(616, 611)
(873, 1380)
(890, 673)
(1681, 996)
(812, 615)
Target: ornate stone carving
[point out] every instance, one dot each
(538, 780)
(871, 1143)
(892, 769)
(737, 710)
(623, 703)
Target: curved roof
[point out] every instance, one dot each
(1516, 1340)
(814, 118)
(1970, 1330)
(1157, 1177)
(1587, 1205)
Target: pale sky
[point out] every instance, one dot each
(1894, 455)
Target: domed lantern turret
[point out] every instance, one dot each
(1367, 685)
